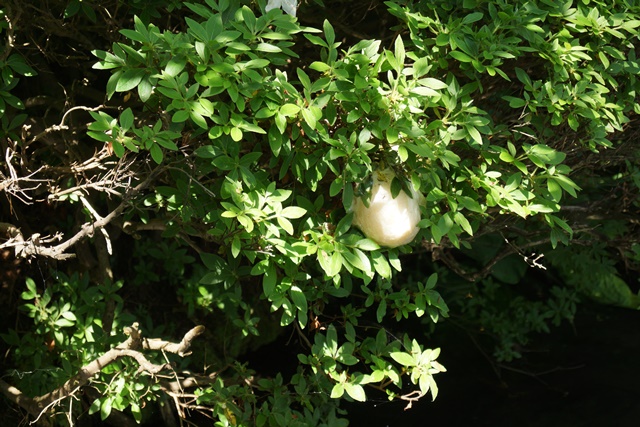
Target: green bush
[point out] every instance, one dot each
(244, 137)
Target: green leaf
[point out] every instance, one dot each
(515, 102)
(95, 406)
(381, 311)
(118, 149)
(523, 76)
(420, 67)
(329, 34)
(136, 412)
(554, 189)
(269, 280)
(156, 153)
(298, 297)
(424, 91)
(268, 48)
(433, 83)
(431, 282)
(145, 89)
(293, 212)
(460, 219)
(405, 359)
(399, 53)
(355, 391)
(175, 66)
(64, 323)
(567, 184)
(475, 135)
(236, 246)
(381, 265)
(105, 408)
(472, 17)
(129, 79)
(236, 134)
(460, 56)
(320, 67)
(309, 117)
(18, 64)
(304, 78)
(289, 110)
(367, 245)
(126, 119)
(337, 391)
(285, 224)
(69, 316)
(330, 263)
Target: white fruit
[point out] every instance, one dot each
(388, 221)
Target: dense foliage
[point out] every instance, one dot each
(172, 164)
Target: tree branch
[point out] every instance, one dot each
(129, 348)
(34, 245)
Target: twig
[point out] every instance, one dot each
(61, 126)
(103, 230)
(414, 396)
(32, 247)
(11, 184)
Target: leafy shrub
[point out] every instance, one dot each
(252, 137)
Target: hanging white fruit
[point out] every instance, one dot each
(388, 221)
(289, 6)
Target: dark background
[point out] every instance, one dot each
(585, 375)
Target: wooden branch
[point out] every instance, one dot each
(35, 406)
(32, 246)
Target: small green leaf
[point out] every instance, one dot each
(420, 67)
(285, 224)
(299, 298)
(69, 316)
(337, 391)
(126, 119)
(136, 412)
(329, 34)
(105, 408)
(472, 17)
(289, 110)
(156, 153)
(460, 219)
(405, 359)
(355, 391)
(269, 280)
(175, 66)
(381, 310)
(236, 246)
(460, 56)
(236, 134)
(129, 79)
(381, 265)
(330, 263)
(309, 118)
(293, 212)
(399, 53)
(320, 67)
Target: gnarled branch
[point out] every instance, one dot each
(129, 348)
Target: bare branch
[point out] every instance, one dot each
(12, 184)
(31, 247)
(414, 396)
(62, 126)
